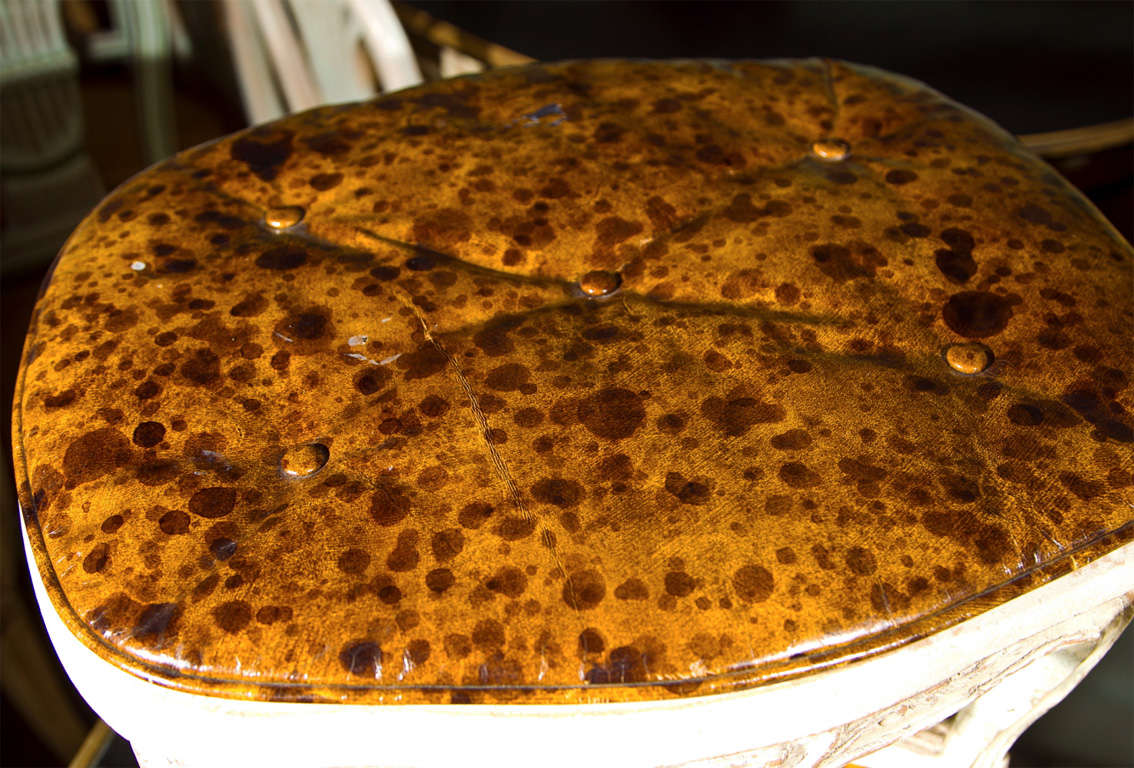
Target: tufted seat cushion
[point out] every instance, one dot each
(606, 381)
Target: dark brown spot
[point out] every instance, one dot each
(202, 367)
(910, 228)
(558, 491)
(433, 406)
(174, 522)
(474, 514)
(957, 267)
(493, 339)
(611, 413)
(283, 257)
(584, 590)
(679, 583)
(507, 378)
(861, 561)
(613, 230)
(514, 528)
(422, 363)
(442, 229)
(841, 176)
(177, 266)
(232, 616)
(389, 504)
(488, 633)
(738, 414)
(61, 400)
(325, 181)
(861, 470)
(632, 589)
(457, 646)
(262, 154)
(212, 502)
(95, 454)
(270, 614)
(147, 389)
(386, 589)
(963, 489)
(96, 559)
(607, 133)
(353, 561)
(1025, 415)
(591, 642)
(307, 326)
(362, 658)
(900, 176)
(206, 586)
(156, 622)
(797, 475)
(787, 293)
(976, 314)
(1092, 406)
(404, 556)
(1034, 214)
(792, 440)
(509, 581)
(753, 583)
(686, 491)
(528, 417)
(221, 547)
(148, 434)
(993, 544)
(616, 468)
(418, 651)
(447, 544)
(1083, 488)
(626, 664)
(371, 380)
(439, 579)
(842, 263)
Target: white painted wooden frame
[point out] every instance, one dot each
(292, 55)
(1000, 671)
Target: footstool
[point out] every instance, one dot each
(619, 413)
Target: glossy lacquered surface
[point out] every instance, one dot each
(599, 381)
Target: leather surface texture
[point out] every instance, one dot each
(581, 382)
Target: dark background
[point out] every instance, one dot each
(1031, 66)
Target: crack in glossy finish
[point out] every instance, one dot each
(753, 458)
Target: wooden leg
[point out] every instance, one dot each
(93, 747)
